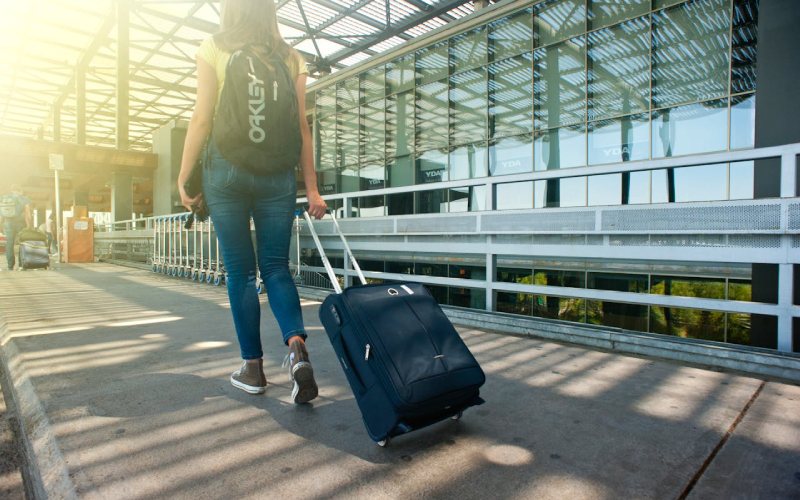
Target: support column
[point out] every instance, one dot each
(121, 196)
(80, 98)
(57, 122)
(168, 145)
(123, 74)
(491, 273)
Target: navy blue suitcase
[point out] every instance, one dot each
(405, 362)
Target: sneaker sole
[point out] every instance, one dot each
(305, 387)
(252, 389)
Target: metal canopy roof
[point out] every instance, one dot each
(50, 50)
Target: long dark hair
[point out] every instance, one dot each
(253, 23)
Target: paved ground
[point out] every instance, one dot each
(10, 476)
(131, 371)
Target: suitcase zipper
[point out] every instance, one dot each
(366, 353)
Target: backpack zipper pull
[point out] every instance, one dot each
(275, 91)
(366, 354)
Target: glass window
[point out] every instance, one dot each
(400, 74)
(430, 269)
(688, 323)
(467, 199)
(617, 314)
(401, 172)
(743, 121)
(740, 290)
(432, 115)
(559, 84)
(555, 20)
(618, 282)
(606, 12)
(635, 188)
(513, 196)
(562, 308)
(326, 142)
(511, 35)
(691, 129)
(348, 180)
(605, 190)
(373, 131)
(347, 93)
(510, 96)
(744, 46)
(514, 303)
(741, 179)
(706, 288)
(400, 203)
(690, 52)
(554, 193)
(661, 186)
(326, 101)
(619, 68)
(474, 298)
(559, 148)
(620, 139)
(739, 329)
(701, 183)
(660, 4)
(431, 166)
(510, 155)
(372, 177)
(468, 106)
(373, 83)
(468, 162)
(348, 136)
(557, 277)
(469, 49)
(326, 181)
(400, 124)
(432, 63)
(514, 275)
(371, 206)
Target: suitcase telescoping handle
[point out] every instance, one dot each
(325, 262)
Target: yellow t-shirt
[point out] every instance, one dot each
(218, 59)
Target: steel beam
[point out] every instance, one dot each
(123, 72)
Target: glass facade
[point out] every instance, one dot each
(558, 85)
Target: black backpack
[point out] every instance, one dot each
(257, 126)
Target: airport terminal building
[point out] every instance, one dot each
(609, 165)
(599, 162)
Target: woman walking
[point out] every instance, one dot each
(235, 194)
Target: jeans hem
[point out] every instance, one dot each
(296, 333)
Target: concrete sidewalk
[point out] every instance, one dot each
(121, 380)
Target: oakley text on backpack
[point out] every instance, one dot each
(257, 125)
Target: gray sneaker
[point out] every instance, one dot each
(305, 387)
(250, 377)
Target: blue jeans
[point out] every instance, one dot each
(234, 196)
(11, 228)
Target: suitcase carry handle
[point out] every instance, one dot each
(325, 261)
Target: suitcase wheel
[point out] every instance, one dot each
(383, 443)
(458, 415)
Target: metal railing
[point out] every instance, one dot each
(764, 231)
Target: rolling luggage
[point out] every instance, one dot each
(405, 362)
(34, 254)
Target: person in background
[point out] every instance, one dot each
(235, 195)
(15, 210)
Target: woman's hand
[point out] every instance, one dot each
(316, 206)
(186, 201)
